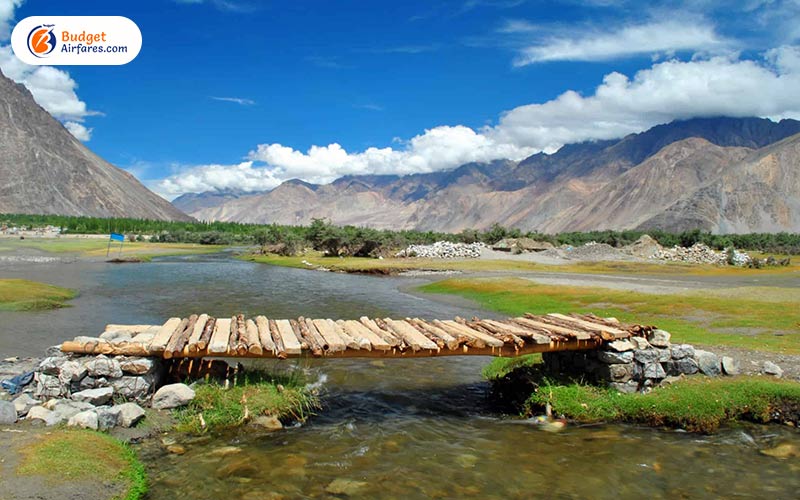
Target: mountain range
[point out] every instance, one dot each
(45, 170)
(718, 174)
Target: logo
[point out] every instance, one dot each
(42, 40)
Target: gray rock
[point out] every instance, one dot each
(96, 397)
(103, 366)
(42, 414)
(8, 413)
(730, 366)
(653, 370)
(628, 387)
(85, 419)
(615, 358)
(646, 356)
(23, 404)
(269, 423)
(108, 417)
(51, 365)
(137, 366)
(639, 342)
(53, 351)
(708, 362)
(138, 388)
(66, 409)
(71, 372)
(659, 338)
(771, 368)
(614, 373)
(621, 345)
(172, 396)
(681, 351)
(663, 354)
(48, 386)
(130, 414)
(683, 366)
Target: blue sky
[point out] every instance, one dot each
(246, 93)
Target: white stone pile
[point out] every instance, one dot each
(444, 250)
(700, 253)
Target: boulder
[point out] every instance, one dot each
(51, 365)
(653, 370)
(621, 345)
(639, 342)
(659, 338)
(107, 417)
(130, 414)
(646, 356)
(707, 362)
(683, 366)
(103, 366)
(268, 422)
(130, 387)
(66, 409)
(663, 354)
(96, 397)
(8, 413)
(681, 351)
(71, 372)
(85, 420)
(48, 386)
(137, 366)
(771, 368)
(172, 396)
(23, 404)
(42, 414)
(615, 358)
(730, 366)
(628, 387)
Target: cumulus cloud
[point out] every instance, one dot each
(648, 38)
(53, 89)
(619, 105)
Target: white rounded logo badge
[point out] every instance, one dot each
(76, 40)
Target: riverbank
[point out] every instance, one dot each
(96, 248)
(26, 295)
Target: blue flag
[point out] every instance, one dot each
(117, 237)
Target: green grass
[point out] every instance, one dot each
(395, 265)
(252, 394)
(24, 295)
(696, 318)
(77, 455)
(698, 404)
(96, 247)
(500, 367)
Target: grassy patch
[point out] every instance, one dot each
(24, 295)
(75, 455)
(500, 367)
(252, 395)
(96, 247)
(697, 318)
(698, 404)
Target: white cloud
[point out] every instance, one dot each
(649, 38)
(668, 90)
(79, 131)
(236, 100)
(7, 16)
(53, 89)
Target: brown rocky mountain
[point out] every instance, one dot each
(681, 175)
(45, 170)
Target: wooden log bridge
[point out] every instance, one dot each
(200, 336)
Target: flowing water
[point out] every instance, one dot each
(389, 428)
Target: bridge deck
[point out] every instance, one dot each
(200, 336)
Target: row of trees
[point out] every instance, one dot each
(362, 241)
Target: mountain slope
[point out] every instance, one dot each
(616, 184)
(45, 170)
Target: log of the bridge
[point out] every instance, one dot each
(490, 340)
(175, 346)
(290, 342)
(450, 341)
(375, 328)
(410, 335)
(355, 328)
(530, 326)
(552, 326)
(205, 337)
(252, 339)
(476, 338)
(197, 331)
(463, 338)
(339, 327)
(312, 343)
(608, 333)
(221, 337)
(504, 335)
(325, 328)
(304, 345)
(161, 338)
(433, 338)
(334, 341)
(235, 344)
(576, 325)
(263, 334)
(280, 349)
(133, 330)
(536, 338)
(322, 341)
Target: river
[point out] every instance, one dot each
(388, 428)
